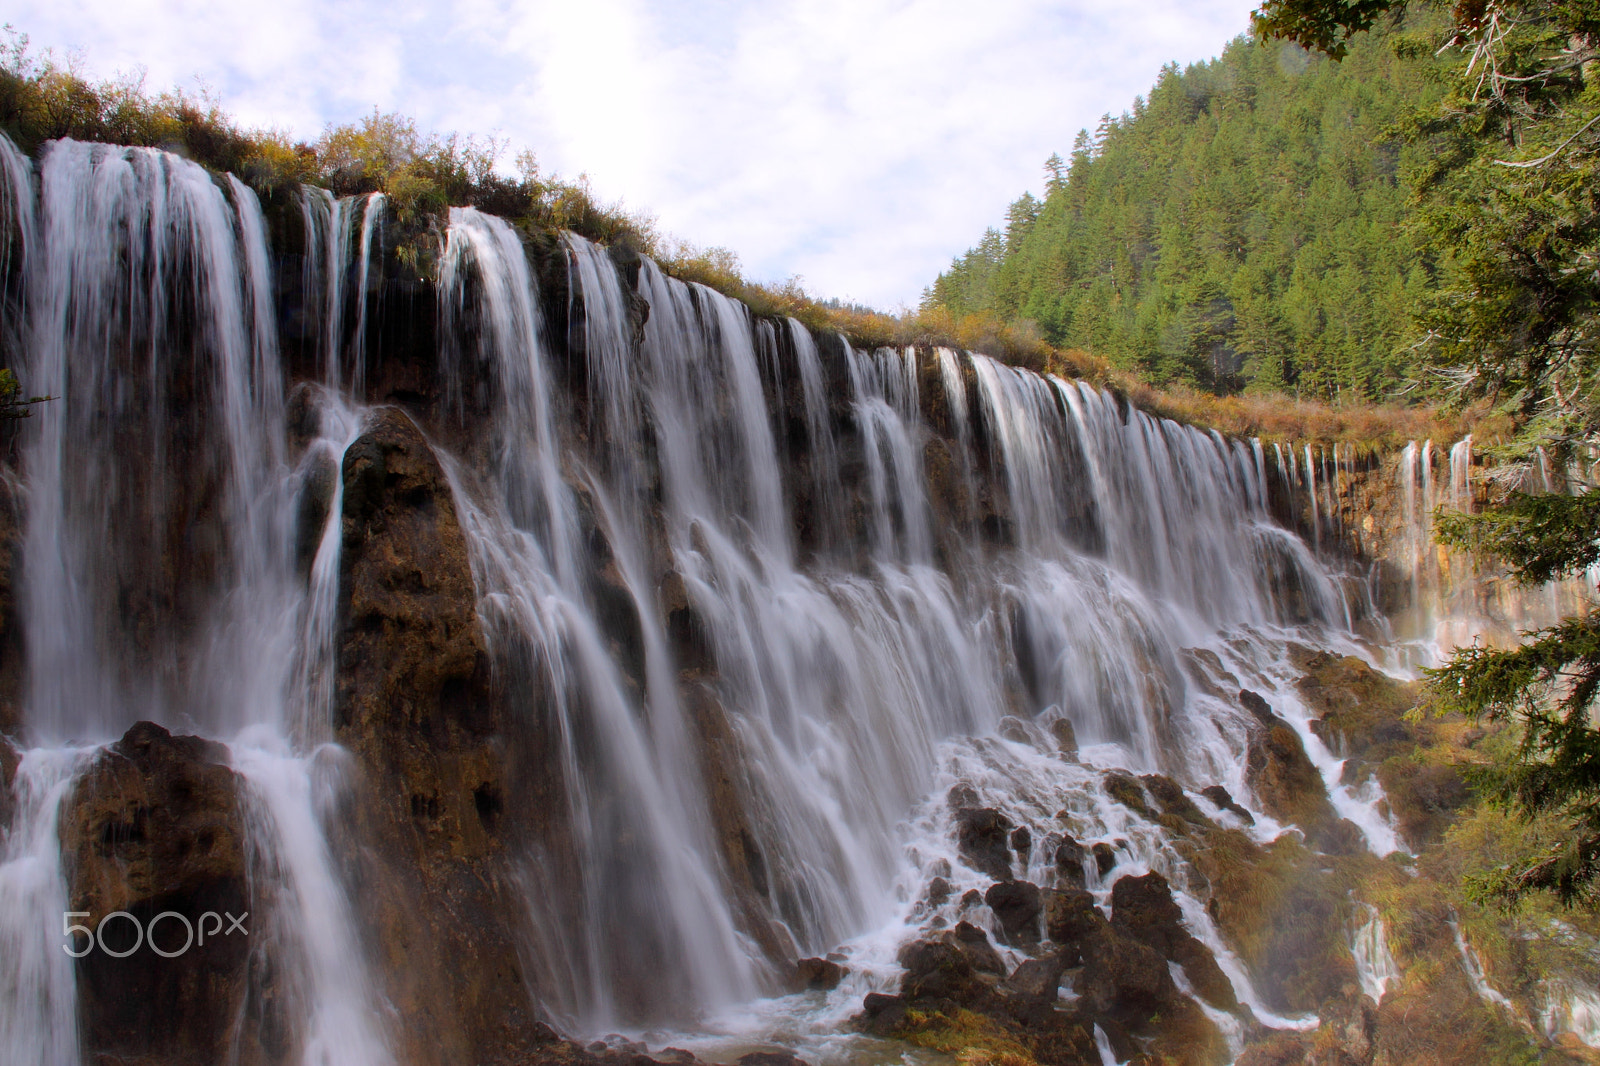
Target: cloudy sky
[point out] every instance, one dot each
(858, 144)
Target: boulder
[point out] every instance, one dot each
(1172, 800)
(1105, 857)
(10, 759)
(1144, 908)
(1070, 856)
(1066, 737)
(1126, 790)
(440, 786)
(1286, 783)
(1022, 842)
(1224, 799)
(1016, 904)
(816, 975)
(880, 1014)
(771, 1058)
(939, 891)
(1124, 978)
(942, 969)
(983, 835)
(1070, 917)
(973, 943)
(1036, 980)
(155, 825)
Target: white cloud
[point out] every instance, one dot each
(857, 143)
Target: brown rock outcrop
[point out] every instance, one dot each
(153, 826)
(437, 798)
(1145, 909)
(1287, 784)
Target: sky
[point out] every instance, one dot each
(856, 144)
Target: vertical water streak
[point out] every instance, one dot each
(371, 220)
(17, 220)
(38, 992)
(883, 386)
(1461, 475)
(323, 970)
(821, 447)
(1375, 965)
(1311, 492)
(140, 303)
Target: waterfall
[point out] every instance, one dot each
(771, 597)
(150, 313)
(1472, 963)
(1375, 965)
(1458, 599)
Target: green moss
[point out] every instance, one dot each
(963, 1033)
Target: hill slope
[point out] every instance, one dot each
(1243, 228)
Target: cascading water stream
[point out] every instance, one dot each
(1375, 965)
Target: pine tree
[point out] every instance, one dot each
(1511, 194)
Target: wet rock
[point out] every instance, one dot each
(973, 943)
(1357, 708)
(1013, 730)
(816, 975)
(942, 969)
(1144, 908)
(1105, 857)
(1016, 904)
(1022, 841)
(677, 1056)
(411, 655)
(983, 835)
(1070, 917)
(939, 891)
(1349, 1031)
(1204, 667)
(1126, 790)
(1341, 837)
(1186, 1037)
(1066, 737)
(961, 796)
(317, 486)
(971, 898)
(1036, 980)
(1172, 800)
(1223, 799)
(880, 1014)
(771, 1058)
(155, 825)
(1285, 781)
(1070, 856)
(436, 796)
(1124, 978)
(1258, 706)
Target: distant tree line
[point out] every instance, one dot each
(1242, 229)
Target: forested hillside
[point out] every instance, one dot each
(1243, 228)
